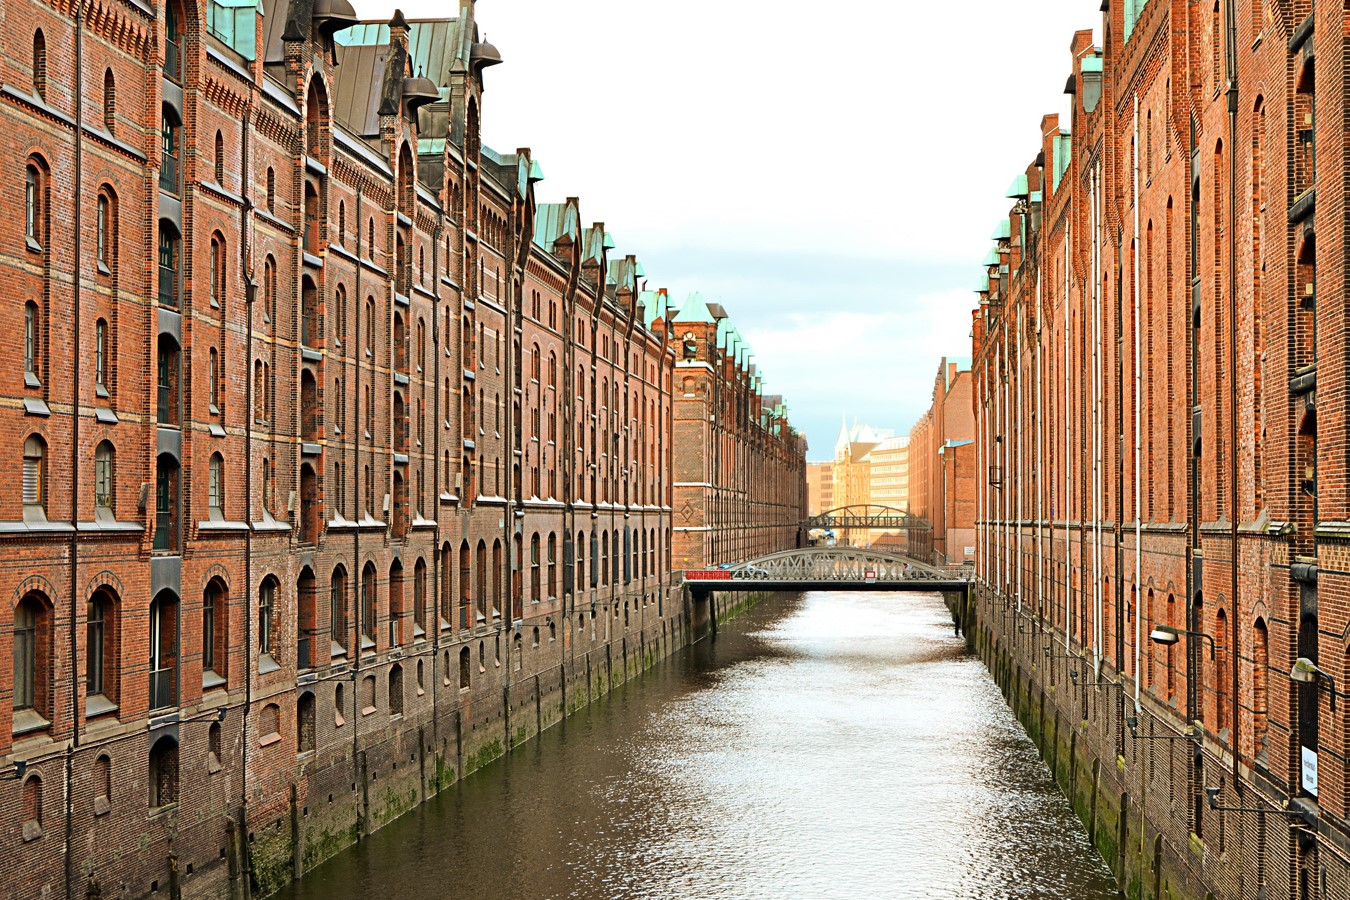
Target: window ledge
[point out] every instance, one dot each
(36, 406)
(101, 390)
(212, 679)
(27, 721)
(32, 830)
(98, 705)
(105, 525)
(35, 526)
(105, 415)
(270, 525)
(221, 525)
(267, 663)
(268, 740)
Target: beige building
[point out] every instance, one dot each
(890, 473)
(819, 487)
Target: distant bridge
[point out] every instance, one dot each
(832, 569)
(867, 515)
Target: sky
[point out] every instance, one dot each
(829, 172)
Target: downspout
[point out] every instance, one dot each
(250, 297)
(355, 577)
(1138, 421)
(75, 453)
(1095, 238)
(1068, 441)
(1040, 463)
(1234, 654)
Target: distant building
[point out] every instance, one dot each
(819, 487)
(942, 467)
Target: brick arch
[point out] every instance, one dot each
(1260, 610)
(216, 571)
(106, 578)
(34, 583)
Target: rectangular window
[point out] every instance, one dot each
(209, 629)
(94, 645)
(25, 659)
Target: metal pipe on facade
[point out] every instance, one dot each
(1138, 418)
(1234, 645)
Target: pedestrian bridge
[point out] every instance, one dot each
(831, 569)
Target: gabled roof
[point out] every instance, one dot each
(554, 220)
(694, 309)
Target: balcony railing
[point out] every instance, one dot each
(163, 688)
(168, 287)
(168, 174)
(173, 69)
(165, 539)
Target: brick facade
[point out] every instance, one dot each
(1159, 369)
(942, 468)
(343, 465)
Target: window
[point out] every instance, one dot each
(267, 610)
(220, 159)
(164, 773)
(167, 381)
(269, 290)
(164, 650)
(168, 145)
(173, 38)
(101, 357)
(102, 784)
(32, 344)
(271, 189)
(396, 690)
(103, 477)
(216, 488)
(464, 668)
(166, 504)
(104, 223)
(337, 611)
(215, 618)
(34, 475)
(109, 100)
(306, 619)
(213, 380)
(32, 659)
(342, 222)
(368, 605)
(32, 807)
(217, 273)
(304, 723)
(39, 64)
(33, 198)
(98, 646)
(168, 265)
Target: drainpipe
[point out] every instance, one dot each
(75, 480)
(1068, 455)
(1234, 653)
(250, 297)
(1138, 436)
(355, 577)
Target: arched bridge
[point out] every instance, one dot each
(831, 569)
(869, 515)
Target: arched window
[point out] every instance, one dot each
(1260, 686)
(100, 647)
(109, 100)
(34, 203)
(396, 610)
(104, 483)
(342, 222)
(216, 488)
(337, 611)
(464, 668)
(104, 232)
(270, 291)
(101, 358)
(166, 504)
(164, 772)
(40, 64)
(368, 623)
(32, 663)
(271, 190)
(168, 265)
(217, 272)
(552, 565)
(535, 572)
(306, 619)
(340, 315)
(220, 159)
(396, 690)
(419, 598)
(32, 344)
(305, 721)
(169, 140)
(32, 807)
(164, 650)
(267, 616)
(215, 632)
(34, 477)
(102, 784)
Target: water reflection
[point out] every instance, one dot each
(829, 745)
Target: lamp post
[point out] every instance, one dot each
(1305, 671)
(1073, 676)
(1132, 723)
(1167, 636)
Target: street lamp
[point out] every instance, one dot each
(1167, 636)
(1305, 671)
(1305, 814)
(1073, 675)
(1132, 723)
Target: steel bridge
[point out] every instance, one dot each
(831, 569)
(869, 515)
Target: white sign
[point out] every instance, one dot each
(1309, 779)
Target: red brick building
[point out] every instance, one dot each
(346, 462)
(1159, 358)
(942, 474)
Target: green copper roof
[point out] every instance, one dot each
(991, 258)
(552, 221)
(536, 171)
(651, 307)
(982, 285)
(609, 241)
(694, 309)
(1092, 63)
(1002, 231)
(1133, 9)
(1018, 188)
(1035, 196)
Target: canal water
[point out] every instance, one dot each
(823, 745)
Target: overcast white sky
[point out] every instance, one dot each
(830, 172)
